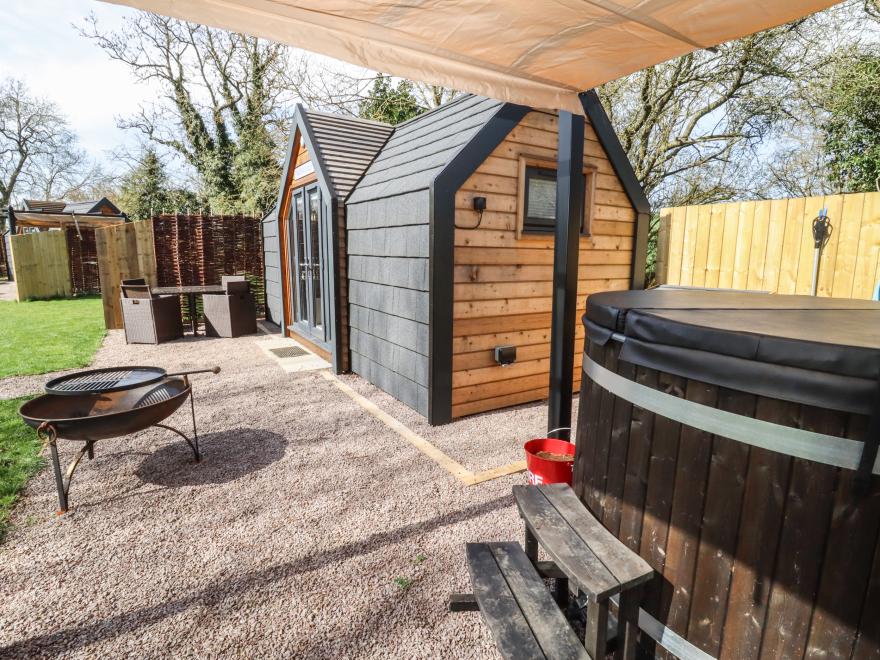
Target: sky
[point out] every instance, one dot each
(41, 46)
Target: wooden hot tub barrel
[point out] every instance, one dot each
(721, 436)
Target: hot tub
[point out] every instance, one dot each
(721, 436)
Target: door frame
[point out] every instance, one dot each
(321, 335)
(309, 326)
(331, 346)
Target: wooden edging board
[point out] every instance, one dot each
(456, 469)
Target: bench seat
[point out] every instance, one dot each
(595, 560)
(516, 606)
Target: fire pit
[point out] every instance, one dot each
(100, 404)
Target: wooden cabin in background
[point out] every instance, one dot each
(430, 243)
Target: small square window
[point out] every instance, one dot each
(540, 200)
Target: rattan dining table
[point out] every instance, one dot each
(191, 292)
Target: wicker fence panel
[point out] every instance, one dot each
(83, 253)
(200, 249)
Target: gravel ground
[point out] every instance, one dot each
(478, 442)
(285, 542)
(16, 386)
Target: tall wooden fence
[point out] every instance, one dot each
(41, 265)
(124, 252)
(768, 245)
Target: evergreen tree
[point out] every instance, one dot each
(852, 132)
(255, 169)
(389, 103)
(144, 190)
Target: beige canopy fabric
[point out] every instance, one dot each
(55, 220)
(540, 53)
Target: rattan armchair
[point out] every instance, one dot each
(147, 318)
(233, 313)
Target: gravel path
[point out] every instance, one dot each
(16, 386)
(285, 542)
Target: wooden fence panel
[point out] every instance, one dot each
(124, 252)
(41, 265)
(768, 245)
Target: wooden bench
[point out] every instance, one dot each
(516, 606)
(596, 564)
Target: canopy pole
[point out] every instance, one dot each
(569, 214)
(10, 223)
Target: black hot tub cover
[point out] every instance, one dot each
(816, 351)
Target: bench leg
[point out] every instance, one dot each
(596, 636)
(628, 625)
(560, 593)
(531, 546)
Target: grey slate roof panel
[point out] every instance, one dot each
(420, 148)
(345, 147)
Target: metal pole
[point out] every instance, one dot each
(569, 214)
(814, 286)
(10, 221)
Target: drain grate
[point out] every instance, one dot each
(288, 351)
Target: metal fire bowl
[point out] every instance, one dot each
(102, 416)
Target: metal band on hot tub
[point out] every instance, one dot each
(828, 449)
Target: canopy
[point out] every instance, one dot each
(540, 53)
(55, 220)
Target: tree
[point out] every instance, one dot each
(687, 124)
(39, 153)
(324, 84)
(255, 166)
(852, 130)
(222, 97)
(390, 103)
(145, 191)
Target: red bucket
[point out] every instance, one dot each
(543, 470)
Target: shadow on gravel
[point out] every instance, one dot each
(227, 590)
(226, 456)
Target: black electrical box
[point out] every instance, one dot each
(505, 355)
(479, 204)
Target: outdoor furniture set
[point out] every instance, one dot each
(152, 315)
(586, 561)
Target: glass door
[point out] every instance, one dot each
(316, 312)
(306, 261)
(299, 262)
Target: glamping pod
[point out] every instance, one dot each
(439, 253)
(304, 237)
(725, 437)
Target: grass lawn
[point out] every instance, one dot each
(19, 457)
(49, 335)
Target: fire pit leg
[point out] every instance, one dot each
(194, 447)
(60, 485)
(59, 480)
(192, 409)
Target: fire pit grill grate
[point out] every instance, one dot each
(98, 381)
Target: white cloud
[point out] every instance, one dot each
(41, 46)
